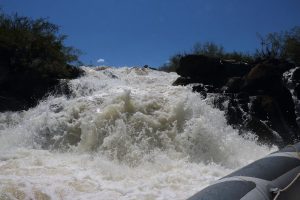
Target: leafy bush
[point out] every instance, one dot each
(35, 48)
(213, 50)
(172, 65)
(33, 58)
(208, 49)
(283, 45)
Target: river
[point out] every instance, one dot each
(123, 133)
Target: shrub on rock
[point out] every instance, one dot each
(33, 58)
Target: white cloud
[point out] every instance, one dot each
(100, 60)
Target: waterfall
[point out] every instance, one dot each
(123, 133)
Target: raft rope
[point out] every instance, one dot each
(277, 191)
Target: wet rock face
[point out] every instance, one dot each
(183, 81)
(211, 71)
(292, 82)
(266, 77)
(256, 96)
(296, 82)
(20, 91)
(4, 70)
(23, 92)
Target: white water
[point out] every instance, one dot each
(124, 134)
(290, 84)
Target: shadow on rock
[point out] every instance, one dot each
(255, 96)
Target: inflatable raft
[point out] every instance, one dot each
(276, 177)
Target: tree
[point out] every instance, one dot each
(211, 49)
(172, 65)
(33, 58)
(292, 45)
(208, 49)
(283, 45)
(35, 47)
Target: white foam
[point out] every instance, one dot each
(124, 134)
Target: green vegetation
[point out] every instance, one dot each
(35, 48)
(211, 49)
(208, 49)
(173, 64)
(282, 46)
(33, 59)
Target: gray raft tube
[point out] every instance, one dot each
(275, 177)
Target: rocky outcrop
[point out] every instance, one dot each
(22, 90)
(210, 71)
(292, 81)
(255, 96)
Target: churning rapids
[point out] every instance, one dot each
(123, 133)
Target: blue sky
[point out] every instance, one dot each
(139, 32)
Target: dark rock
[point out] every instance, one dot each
(27, 92)
(182, 81)
(263, 77)
(20, 90)
(62, 88)
(296, 75)
(204, 89)
(243, 97)
(254, 98)
(266, 134)
(278, 116)
(233, 85)
(210, 71)
(296, 82)
(261, 115)
(267, 77)
(198, 67)
(4, 70)
(297, 91)
(11, 104)
(234, 113)
(147, 67)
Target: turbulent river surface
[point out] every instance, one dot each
(123, 133)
